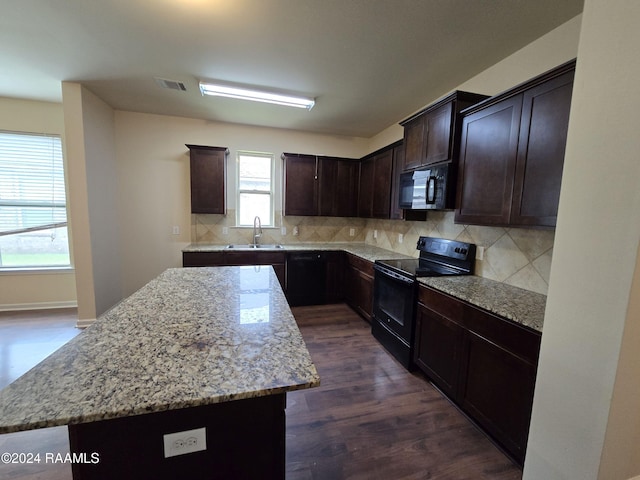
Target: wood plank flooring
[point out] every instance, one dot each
(370, 419)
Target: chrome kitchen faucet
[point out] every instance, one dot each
(257, 230)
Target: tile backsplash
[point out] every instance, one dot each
(211, 228)
(517, 256)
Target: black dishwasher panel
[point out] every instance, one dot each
(306, 278)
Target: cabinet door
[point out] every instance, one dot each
(327, 187)
(335, 277)
(497, 392)
(438, 349)
(365, 294)
(300, 185)
(381, 195)
(279, 268)
(208, 179)
(359, 288)
(489, 146)
(413, 143)
(346, 193)
(338, 187)
(543, 136)
(437, 135)
(349, 285)
(395, 212)
(365, 191)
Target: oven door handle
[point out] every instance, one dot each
(393, 275)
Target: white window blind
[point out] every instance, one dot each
(33, 211)
(255, 188)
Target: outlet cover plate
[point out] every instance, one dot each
(188, 441)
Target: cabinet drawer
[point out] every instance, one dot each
(206, 259)
(202, 259)
(439, 303)
(360, 264)
(254, 258)
(518, 340)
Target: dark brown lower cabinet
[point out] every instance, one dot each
(335, 273)
(237, 258)
(438, 349)
(334, 260)
(245, 440)
(498, 392)
(484, 363)
(359, 285)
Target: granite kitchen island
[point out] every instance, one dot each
(214, 348)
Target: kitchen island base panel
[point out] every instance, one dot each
(245, 439)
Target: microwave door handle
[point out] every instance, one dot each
(431, 190)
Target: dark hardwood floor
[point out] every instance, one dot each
(370, 418)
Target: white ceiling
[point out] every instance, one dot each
(369, 63)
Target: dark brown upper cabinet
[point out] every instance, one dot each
(396, 212)
(208, 172)
(374, 197)
(512, 153)
(432, 135)
(300, 184)
(338, 193)
(319, 185)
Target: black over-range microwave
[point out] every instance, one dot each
(428, 188)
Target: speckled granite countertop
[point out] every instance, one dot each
(192, 336)
(516, 304)
(368, 252)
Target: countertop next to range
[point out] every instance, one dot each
(516, 304)
(190, 337)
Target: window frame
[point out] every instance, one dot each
(270, 193)
(53, 204)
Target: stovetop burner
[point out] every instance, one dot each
(438, 257)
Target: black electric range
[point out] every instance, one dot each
(395, 289)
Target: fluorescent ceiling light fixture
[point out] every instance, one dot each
(255, 95)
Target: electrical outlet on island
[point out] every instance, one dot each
(189, 441)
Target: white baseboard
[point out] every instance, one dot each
(85, 322)
(12, 307)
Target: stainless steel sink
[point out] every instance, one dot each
(250, 246)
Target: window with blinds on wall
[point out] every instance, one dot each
(255, 188)
(33, 209)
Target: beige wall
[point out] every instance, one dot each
(591, 300)
(93, 200)
(153, 181)
(556, 47)
(31, 289)
(620, 457)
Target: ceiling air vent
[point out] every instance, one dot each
(170, 84)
